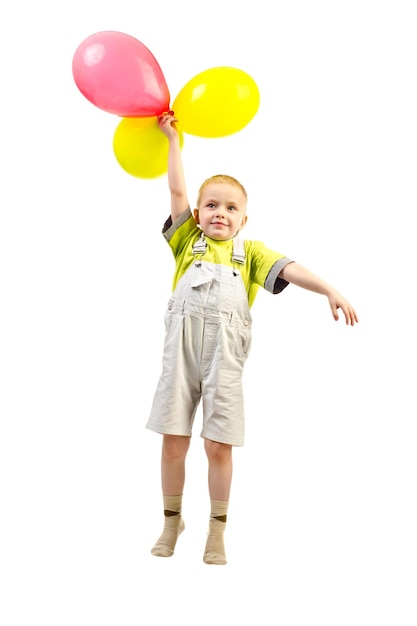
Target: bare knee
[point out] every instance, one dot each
(175, 447)
(217, 452)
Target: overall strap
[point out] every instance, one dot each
(239, 254)
(200, 245)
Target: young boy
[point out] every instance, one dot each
(208, 336)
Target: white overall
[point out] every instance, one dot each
(208, 337)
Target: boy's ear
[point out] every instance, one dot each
(243, 222)
(196, 217)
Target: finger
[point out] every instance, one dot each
(351, 317)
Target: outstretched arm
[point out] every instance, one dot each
(176, 179)
(302, 277)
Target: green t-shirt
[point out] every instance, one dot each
(260, 269)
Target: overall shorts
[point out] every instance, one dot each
(208, 336)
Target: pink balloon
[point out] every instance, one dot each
(120, 75)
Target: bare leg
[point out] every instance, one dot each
(220, 469)
(174, 452)
(220, 472)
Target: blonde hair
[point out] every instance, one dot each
(221, 178)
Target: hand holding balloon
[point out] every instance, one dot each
(166, 123)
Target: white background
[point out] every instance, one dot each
(322, 519)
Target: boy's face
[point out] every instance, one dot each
(222, 211)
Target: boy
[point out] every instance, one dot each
(208, 336)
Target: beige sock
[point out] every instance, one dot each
(215, 552)
(173, 527)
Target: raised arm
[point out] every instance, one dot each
(176, 179)
(302, 277)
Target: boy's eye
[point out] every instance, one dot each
(232, 208)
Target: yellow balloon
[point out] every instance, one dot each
(141, 148)
(217, 102)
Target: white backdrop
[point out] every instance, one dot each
(322, 516)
